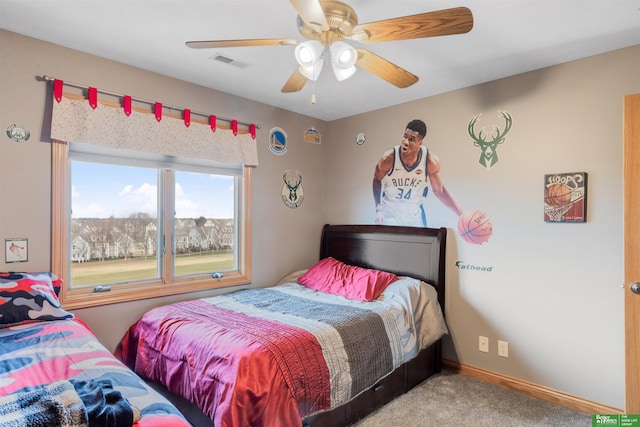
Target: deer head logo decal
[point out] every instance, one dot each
(292, 192)
(489, 155)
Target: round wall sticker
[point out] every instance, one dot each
(277, 141)
(18, 133)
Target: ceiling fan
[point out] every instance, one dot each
(327, 23)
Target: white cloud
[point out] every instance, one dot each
(126, 190)
(93, 210)
(185, 208)
(179, 190)
(142, 199)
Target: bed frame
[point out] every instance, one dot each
(405, 251)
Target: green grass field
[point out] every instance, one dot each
(120, 271)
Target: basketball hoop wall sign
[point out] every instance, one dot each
(565, 197)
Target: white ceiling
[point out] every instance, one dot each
(509, 37)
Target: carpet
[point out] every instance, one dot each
(449, 399)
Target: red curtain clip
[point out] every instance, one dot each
(126, 105)
(57, 89)
(234, 126)
(252, 130)
(92, 93)
(157, 110)
(212, 122)
(187, 117)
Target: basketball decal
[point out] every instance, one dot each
(475, 227)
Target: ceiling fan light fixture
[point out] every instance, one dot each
(343, 60)
(325, 24)
(343, 54)
(309, 53)
(312, 72)
(343, 73)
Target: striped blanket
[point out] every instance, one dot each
(270, 356)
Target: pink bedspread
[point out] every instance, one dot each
(268, 357)
(260, 369)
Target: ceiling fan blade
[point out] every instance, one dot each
(295, 83)
(458, 20)
(384, 69)
(209, 44)
(311, 14)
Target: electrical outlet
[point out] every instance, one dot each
(503, 349)
(483, 344)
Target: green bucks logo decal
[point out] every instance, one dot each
(488, 143)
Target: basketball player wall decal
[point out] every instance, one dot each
(489, 154)
(565, 197)
(402, 179)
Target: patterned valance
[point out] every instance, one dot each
(75, 120)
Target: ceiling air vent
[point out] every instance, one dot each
(226, 60)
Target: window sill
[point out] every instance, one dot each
(125, 293)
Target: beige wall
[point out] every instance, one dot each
(554, 292)
(284, 239)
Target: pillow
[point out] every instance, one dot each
(335, 277)
(29, 298)
(291, 277)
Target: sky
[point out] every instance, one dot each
(104, 190)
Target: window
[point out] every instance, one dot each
(129, 225)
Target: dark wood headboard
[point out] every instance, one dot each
(406, 251)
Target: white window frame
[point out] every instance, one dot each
(167, 285)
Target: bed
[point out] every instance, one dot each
(55, 372)
(324, 347)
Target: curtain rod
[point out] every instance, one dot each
(145, 101)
